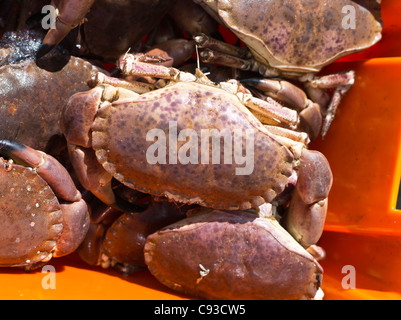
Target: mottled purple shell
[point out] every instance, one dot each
(301, 35)
(232, 255)
(30, 217)
(31, 99)
(119, 139)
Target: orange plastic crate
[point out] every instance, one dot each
(363, 146)
(363, 227)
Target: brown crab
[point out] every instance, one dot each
(294, 39)
(232, 255)
(33, 93)
(42, 214)
(285, 38)
(111, 133)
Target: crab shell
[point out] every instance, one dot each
(32, 225)
(232, 255)
(29, 110)
(298, 35)
(119, 138)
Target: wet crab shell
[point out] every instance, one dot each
(232, 255)
(119, 139)
(31, 219)
(299, 35)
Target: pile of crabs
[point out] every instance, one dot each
(189, 155)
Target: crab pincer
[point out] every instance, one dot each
(307, 212)
(70, 14)
(42, 213)
(119, 242)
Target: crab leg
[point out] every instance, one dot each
(203, 41)
(335, 80)
(144, 65)
(219, 52)
(132, 85)
(307, 212)
(341, 82)
(293, 135)
(167, 54)
(215, 57)
(339, 93)
(71, 13)
(271, 109)
(91, 174)
(175, 51)
(294, 97)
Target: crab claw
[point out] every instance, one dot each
(57, 222)
(46, 166)
(70, 16)
(121, 245)
(293, 97)
(307, 212)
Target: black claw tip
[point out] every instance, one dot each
(10, 146)
(43, 49)
(250, 81)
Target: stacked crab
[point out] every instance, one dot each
(205, 179)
